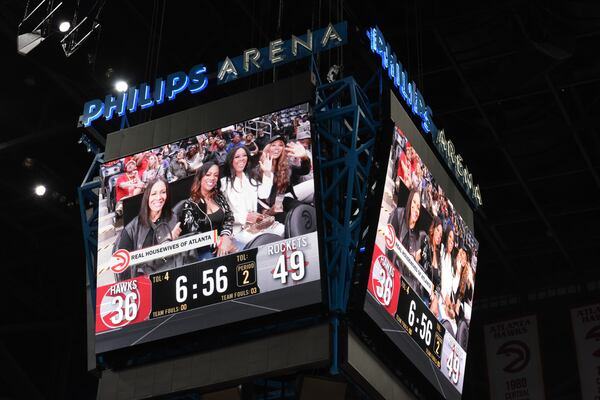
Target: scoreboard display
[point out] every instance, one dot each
(216, 228)
(422, 277)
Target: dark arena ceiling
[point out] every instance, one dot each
(515, 84)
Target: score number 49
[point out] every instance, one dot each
(296, 265)
(453, 365)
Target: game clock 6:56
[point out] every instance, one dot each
(420, 323)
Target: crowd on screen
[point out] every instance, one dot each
(246, 178)
(428, 226)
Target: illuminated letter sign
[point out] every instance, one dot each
(281, 52)
(143, 96)
(415, 101)
(253, 60)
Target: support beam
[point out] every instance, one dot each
(573, 129)
(517, 96)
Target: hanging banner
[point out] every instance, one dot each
(586, 332)
(513, 357)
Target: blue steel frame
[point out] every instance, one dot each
(346, 128)
(89, 220)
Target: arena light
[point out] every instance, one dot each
(40, 190)
(30, 39)
(64, 26)
(121, 86)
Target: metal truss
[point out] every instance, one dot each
(88, 195)
(346, 130)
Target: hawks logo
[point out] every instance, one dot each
(519, 352)
(390, 237)
(123, 303)
(594, 333)
(120, 261)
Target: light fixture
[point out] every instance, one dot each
(121, 86)
(40, 190)
(31, 38)
(64, 26)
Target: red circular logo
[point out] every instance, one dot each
(390, 237)
(120, 261)
(383, 283)
(120, 309)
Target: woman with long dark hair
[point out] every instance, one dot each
(431, 259)
(154, 224)
(404, 221)
(207, 209)
(242, 186)
(284, 173)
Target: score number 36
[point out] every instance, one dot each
(126, 308)
(296, 265)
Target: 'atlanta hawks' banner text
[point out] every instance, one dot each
(513, 358)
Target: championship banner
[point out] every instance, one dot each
(513, 358)
(586, 332)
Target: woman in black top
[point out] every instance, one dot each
(431, 259)
(207, 209)
(154, 225)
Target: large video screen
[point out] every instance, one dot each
(212, 229)
(422, 277)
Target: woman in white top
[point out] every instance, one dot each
(242, 188)
(446, 305)
(154, 169)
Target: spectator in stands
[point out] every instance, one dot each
(207, 209)
(284, 174)
(141, 160)
(153, 170)
(242, 186)
(431, 259)
(194, 158)
(250, 144)
(305, 140)
(154, 224)
(213, 142)
(127, 185)
(404, 221)
(163, 163)
(179, 167)
(261, 139)
(236, 141)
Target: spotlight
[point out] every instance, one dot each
(121, 86)
(64, 26)
(40, 190)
